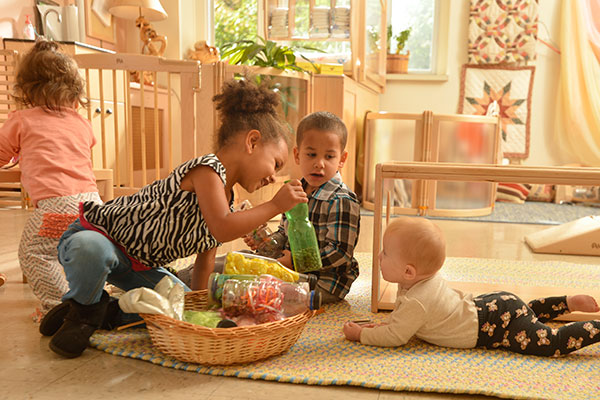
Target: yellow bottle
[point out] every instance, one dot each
(252, 264)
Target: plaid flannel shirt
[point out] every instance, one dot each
(334, 211)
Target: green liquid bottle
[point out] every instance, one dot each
(303, 240)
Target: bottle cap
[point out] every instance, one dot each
(315, 300)
(27, 20)
(226, 323)
(312, 281)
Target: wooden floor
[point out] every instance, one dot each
(31, 371)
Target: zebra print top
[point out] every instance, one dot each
(161, 222)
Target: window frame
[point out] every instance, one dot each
(439, 53)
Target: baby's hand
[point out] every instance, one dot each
(352, 331)
(370, 325)
(289, 195)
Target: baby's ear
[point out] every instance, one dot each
(410, 272)
(296, 155)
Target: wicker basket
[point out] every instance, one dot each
(222, 346)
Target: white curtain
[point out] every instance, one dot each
(578, 105)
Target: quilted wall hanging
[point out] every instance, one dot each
(502, 31)
(511, 87)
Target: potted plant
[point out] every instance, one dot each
(263, 53)
(397, 63)
(266, 53)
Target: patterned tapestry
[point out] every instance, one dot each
(511, 87)
(502, 31)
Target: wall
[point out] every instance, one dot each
(12, 17)
(183, 27)
(12, 20)
(442, 97)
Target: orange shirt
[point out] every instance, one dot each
(54, 151)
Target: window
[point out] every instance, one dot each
(428, 21)
(235, 20)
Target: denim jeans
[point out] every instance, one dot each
(90, 260)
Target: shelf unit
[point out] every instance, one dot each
(271, 5)
(367, 37)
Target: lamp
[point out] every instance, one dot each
(143, 11)
(132, 9)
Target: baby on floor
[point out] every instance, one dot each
(414, 250)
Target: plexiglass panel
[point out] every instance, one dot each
(465, 142)
(390, 140)
(373, 32)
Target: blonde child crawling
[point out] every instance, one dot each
(413, 253)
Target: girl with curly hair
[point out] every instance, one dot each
(128, 240)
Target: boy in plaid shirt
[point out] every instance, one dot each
(334, 209)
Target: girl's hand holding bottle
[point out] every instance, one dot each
(250, 242)
(289, 195)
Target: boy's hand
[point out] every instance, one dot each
(352, 331)
(286, 259)
(250, 242)
(289, 195)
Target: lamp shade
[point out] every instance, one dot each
(152, 10)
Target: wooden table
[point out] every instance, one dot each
(383, 296)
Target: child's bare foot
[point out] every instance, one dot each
(582, 302)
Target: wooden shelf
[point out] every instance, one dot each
(309, 39)
(365, 65)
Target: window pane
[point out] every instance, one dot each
(373, 35)
(235, 20)
(419, 15)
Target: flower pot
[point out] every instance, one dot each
(397, 63)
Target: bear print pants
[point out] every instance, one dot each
(506, 322)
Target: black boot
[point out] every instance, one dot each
(111, 317)
(80, 323)
(54, 319)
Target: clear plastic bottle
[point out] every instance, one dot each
(216, 282)
(236, 262)
(268, 245)
(303, 240)
(28, 29)
(267, 299)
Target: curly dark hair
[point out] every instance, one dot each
(49, 78)
(244, 105)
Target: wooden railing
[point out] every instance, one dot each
(143, 130)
